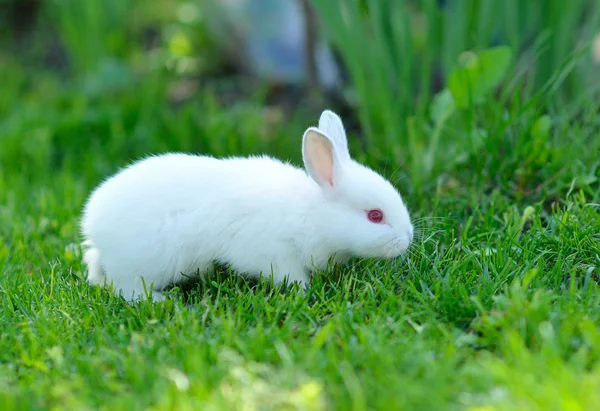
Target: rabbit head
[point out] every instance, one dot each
(362, 213)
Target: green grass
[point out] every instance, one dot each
(496, 307)
(396, 51)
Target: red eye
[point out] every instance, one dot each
(375, 216)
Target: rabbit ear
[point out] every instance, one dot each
(331, 124)
(319, 155)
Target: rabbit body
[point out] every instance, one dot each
(167, 217)
(200, 210)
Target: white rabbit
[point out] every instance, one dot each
(167, 217)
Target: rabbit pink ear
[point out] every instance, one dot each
(331, 124)
(318, 156)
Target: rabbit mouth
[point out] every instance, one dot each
(395, 248)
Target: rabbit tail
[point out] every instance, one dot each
(91, 257)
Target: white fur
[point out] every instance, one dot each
(167, 217)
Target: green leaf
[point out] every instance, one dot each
(478, 75)
(541, 128)
(323, 334)
(442, 105)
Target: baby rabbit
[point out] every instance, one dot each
(166, 217)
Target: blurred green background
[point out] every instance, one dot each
(90, 84)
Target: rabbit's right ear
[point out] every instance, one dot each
(331, 124)
(320, 157)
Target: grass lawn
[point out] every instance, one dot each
(495, 307)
